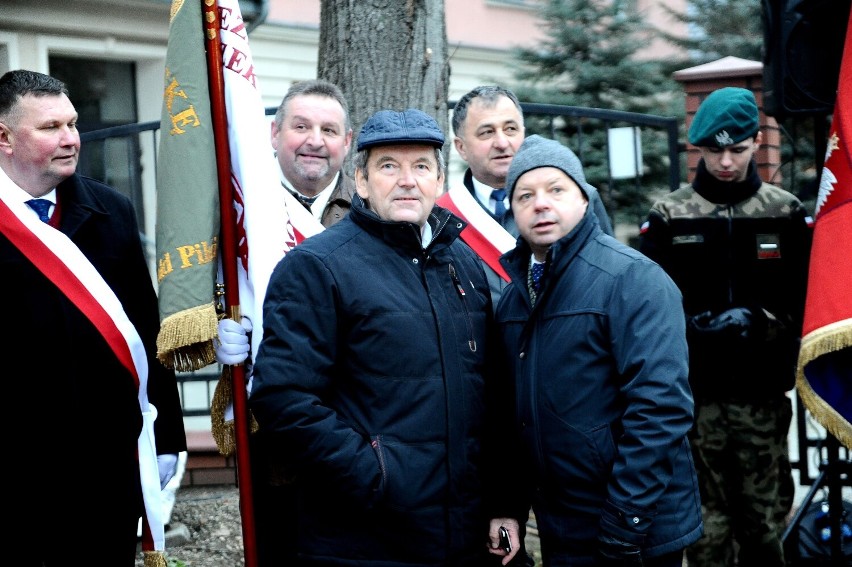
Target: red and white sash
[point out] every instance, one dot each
(483, 234)
(64, 264)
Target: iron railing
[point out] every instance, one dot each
(125, 158)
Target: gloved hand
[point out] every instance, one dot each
(735, 323)
(167, 466)
(698, 324)
(614, 552)
(233, 345)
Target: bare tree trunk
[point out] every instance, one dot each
(386, 54)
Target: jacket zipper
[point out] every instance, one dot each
(471, 343)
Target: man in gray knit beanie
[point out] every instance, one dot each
(594, 345)
(542, 152)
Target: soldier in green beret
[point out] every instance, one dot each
(738, 249)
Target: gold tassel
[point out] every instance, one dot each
(154, 559)
(185, 342)
(222, 430)
(828, 339)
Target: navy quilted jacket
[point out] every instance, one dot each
(370, 377)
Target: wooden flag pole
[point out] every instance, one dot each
(228, 247)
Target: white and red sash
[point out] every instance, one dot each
(483, 234)
(53, 253)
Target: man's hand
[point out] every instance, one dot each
(167, 466)
(513, 527)
(233, 345)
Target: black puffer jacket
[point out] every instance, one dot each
(370, 376)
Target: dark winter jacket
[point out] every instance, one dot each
(603, 402)
(371, 377)
(729, 245)
(495, 282)
(71, 406)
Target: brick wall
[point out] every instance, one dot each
(204, 464)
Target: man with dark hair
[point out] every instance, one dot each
(84, 381)
(738, 250)
(488, 123)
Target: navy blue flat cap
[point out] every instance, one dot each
(411, 126)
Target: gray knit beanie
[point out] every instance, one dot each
(538, 152)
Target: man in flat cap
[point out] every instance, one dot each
(371, 376)
(738, 249)
(594, 347)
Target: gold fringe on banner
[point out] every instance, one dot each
(154, 559)
(185, 342)
(222, 430)
(826, 340)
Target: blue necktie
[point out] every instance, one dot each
(537, 272)
(41, 206)
(499, 208)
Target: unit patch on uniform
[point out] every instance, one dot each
(768, 246)
(688, 239)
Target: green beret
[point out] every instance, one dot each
(728, 116)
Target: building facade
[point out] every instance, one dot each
(112, 55)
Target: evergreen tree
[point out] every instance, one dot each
(722, 28)
(587, 59)
(718, 28)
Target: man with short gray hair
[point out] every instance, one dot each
(311, 135)
(372, 373)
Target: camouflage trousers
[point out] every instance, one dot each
(743, 468)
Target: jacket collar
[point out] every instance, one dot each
(726, 192)
(446, 227)
(78, 204)
(559, 257)
(343, 191)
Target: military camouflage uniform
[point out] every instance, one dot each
(728, 245)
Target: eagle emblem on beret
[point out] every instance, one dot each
(723, 138)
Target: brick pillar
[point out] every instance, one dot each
(700, 81)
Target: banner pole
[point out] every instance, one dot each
(228, 244)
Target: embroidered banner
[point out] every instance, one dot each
(824, 377)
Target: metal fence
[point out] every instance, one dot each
(125, 157)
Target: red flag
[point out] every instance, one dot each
(824, 378)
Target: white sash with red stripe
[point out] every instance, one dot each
(483, 234)
(64, 264)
